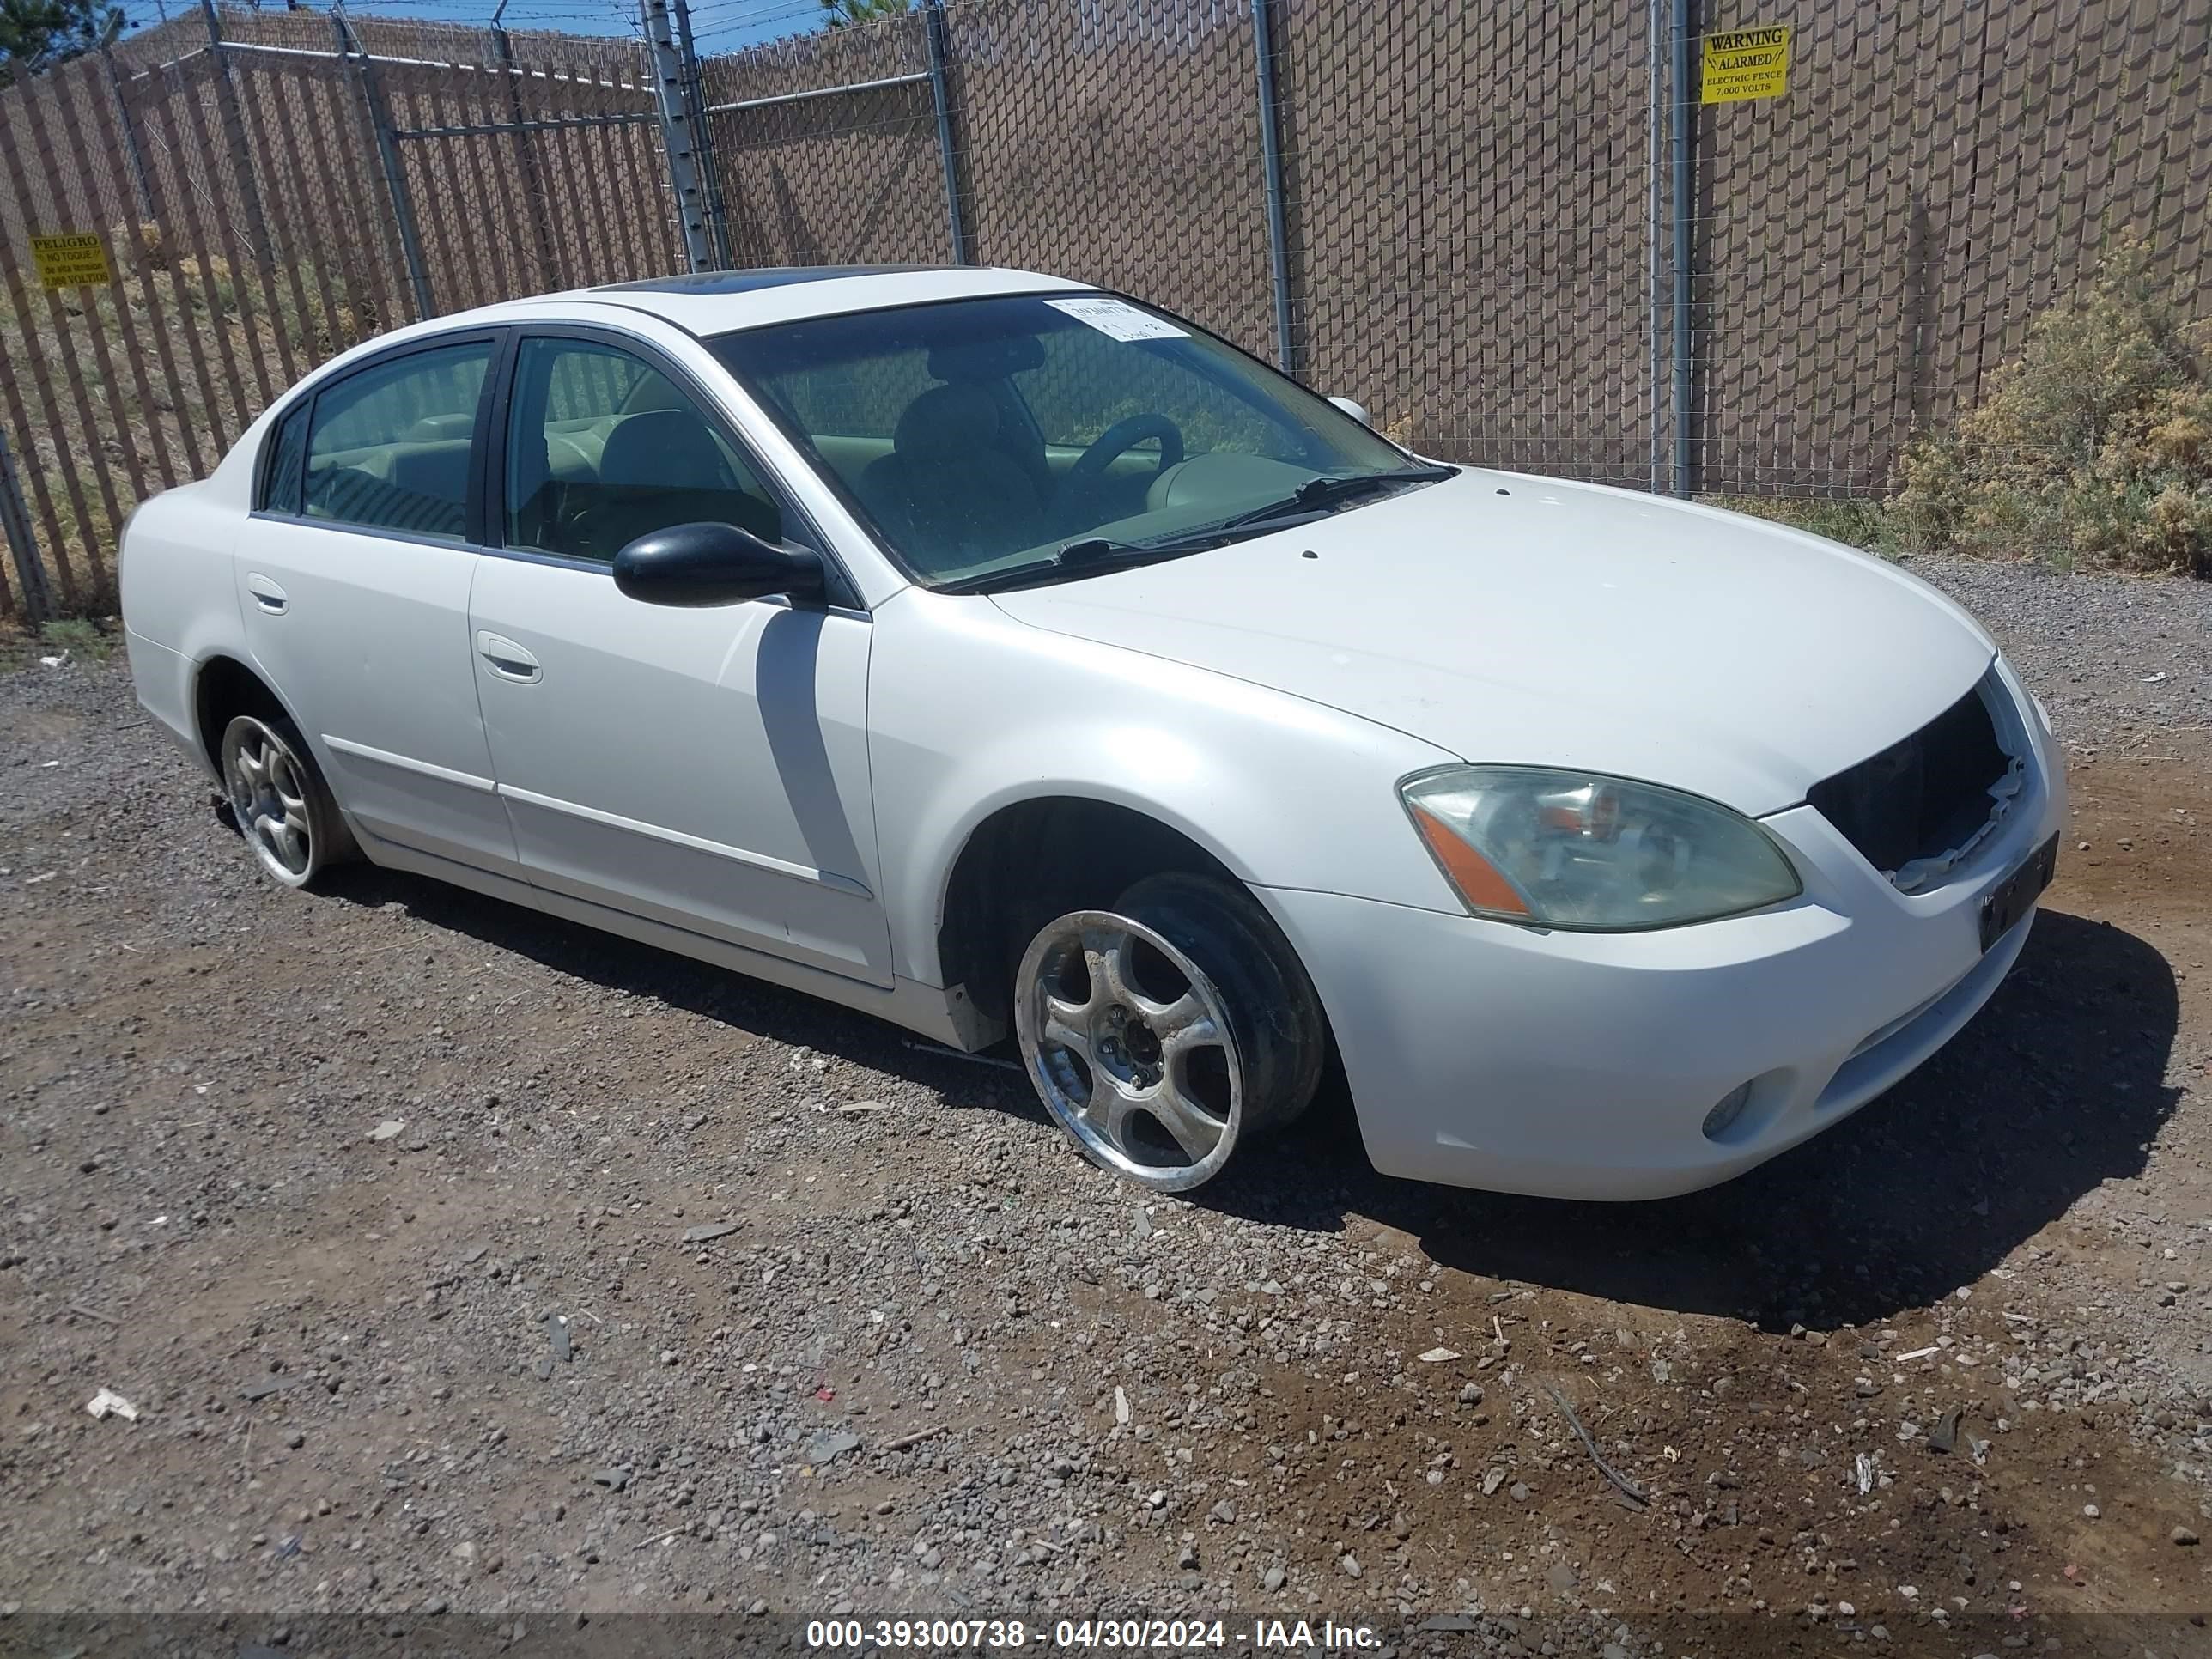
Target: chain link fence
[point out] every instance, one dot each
(1466, 218)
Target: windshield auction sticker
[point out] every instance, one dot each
(1119, 318)
(1746, 64)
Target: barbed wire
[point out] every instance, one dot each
(735, 23)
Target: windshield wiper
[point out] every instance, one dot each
(1085, 553)
(1319, 493)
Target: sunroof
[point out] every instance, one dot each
(745, 282)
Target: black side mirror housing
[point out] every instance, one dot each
(706, 564)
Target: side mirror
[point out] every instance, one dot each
(1357, 410)
(703, 564)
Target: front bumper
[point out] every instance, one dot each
(1567, 1065)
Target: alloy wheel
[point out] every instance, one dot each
(1129, 1044)
(268, 789)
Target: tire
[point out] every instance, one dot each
(1166, 1033)
(285, 809)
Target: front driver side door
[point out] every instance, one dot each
(707, 769)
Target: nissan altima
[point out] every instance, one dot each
(1007, 658)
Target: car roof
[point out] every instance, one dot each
(710, 302)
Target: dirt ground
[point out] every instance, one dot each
(673, 1292)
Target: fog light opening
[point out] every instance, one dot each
(1726, 1111)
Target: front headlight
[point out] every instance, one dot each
(1576, 850)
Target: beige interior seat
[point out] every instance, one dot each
(948, 492)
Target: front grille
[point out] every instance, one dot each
(1926, 799)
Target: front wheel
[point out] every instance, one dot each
(1167, 1033)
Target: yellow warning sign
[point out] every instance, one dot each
(1746, 64)
(76, 260)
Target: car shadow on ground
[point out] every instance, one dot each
(752, 1005)
(2056, 1087)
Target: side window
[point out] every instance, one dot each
(389, 447)
(603, 448)
(288, 456)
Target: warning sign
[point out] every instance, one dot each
(78, 260)
(1746, 64)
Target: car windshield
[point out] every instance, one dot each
(1032, 437)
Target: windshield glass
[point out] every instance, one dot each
(985, 435)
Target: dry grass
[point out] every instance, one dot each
(2094, 448)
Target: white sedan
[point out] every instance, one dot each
(998, 655)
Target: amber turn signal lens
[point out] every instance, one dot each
(1476, 878)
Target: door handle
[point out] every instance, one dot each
(266, 594)
(508, 660)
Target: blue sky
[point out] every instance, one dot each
(719, 25)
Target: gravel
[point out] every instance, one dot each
(632, 1313)
(2110, 656)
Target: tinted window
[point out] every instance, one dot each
(288, 454)
(389, 446)
(603, 448)
(1089, 380)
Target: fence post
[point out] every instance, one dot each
(1685, 204)
(676, 133)
(233, 131)
(1655, 235)
(15, 519)
(947, 157)
(702, 131)
(1271, 160)
(388, 153)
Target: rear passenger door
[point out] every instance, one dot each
(353, 576)
(705, 769)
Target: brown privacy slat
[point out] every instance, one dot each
(177, 320)
(448, 221)
(279, 265)
(78, 202)
(80, 448)
(203, 129)
(568, 269)
(497, 220)
(320, 177)
(266, 96)
(530, 180)
(29, 466)
(630, 155)
(472, 243)
(281, 92)
(129, 258)
(182, 178)
(444, 237)
(262, 270)
(523, 218)
(372, 190)
(602, 254)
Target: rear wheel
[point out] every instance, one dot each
(283, 808)
(1164, 1034)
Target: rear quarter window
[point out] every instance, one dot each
(287, 463)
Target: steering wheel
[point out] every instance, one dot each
(1119, 439)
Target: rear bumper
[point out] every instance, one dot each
(1584, 1066)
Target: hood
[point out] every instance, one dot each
(1508, 618)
